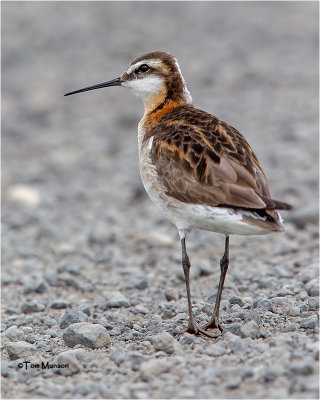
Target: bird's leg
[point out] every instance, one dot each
(192, 325)
(224, 263)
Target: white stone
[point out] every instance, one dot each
(24, 194)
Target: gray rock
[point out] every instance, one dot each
(32, 306)
(59, 304)
(50, 322)
(285, 291)
(247, 372)
(264, 304)
(250, 329)
(313, 287)
(236, 300)
(31, 339)
(210, 376)
(187, 339)
(164, 342)
(141, 309)
(137, 282)
(84, 308)
(293, 311)
(253, 315)
(72, 316)
(302, 368)
(36, 285)
(283, 272)
(309, 323)
(268, 375)
(89, 389)
(308, 274)
(12, 311)
(118, 356)
(214, 350)
(20, 349)
(136, 360)
(313, 304)
(27, 330)
(116, 300)
(171, 294)
(14, 334)
(68, 359)
(94, 336)
(153, 368)
(234, 383)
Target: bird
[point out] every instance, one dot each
(200, 171)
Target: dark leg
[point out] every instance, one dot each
(192, 326)
(224, 263)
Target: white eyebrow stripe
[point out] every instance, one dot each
(151, 63)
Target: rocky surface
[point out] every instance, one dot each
(83, 246)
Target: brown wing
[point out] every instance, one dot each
(203, 160)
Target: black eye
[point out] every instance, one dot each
(143, 68)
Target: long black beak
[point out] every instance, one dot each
(113, 82)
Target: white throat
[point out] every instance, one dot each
(146, 87)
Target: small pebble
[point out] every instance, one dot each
(236, 300)
(294, 311)
(164, 342)
(27, 330)
(187, 339)
(36, 285)
(31, 306)
(20, 349)
(303, 295)
(302, 368)
(116, 300)
(214, 350)
(269, 375)
(308, 274)
(72, 316)
(14, 334)
(309, 323)
(265, 304)
(313, 287)
(285, 291)
(24, 194)
(234, 383)
(171, 294)
(118, 356)
(313, 304)
(67, 358)
(141, 309)
(210, 376)
(153, 368)
(250, 329)
(59, 304)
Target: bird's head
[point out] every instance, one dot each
(154, 77)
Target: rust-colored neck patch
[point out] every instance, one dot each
(153, 116)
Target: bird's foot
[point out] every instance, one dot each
(213, 324)
(195, 329)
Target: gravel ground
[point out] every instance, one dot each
(91, 270)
